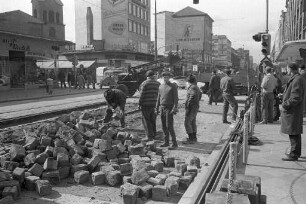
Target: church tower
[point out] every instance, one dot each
(51, 13)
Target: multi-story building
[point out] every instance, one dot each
(189, 31)
(221, 51)
(235, 59)
(244, 56)
(25, 38)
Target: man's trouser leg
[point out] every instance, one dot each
(122, 120)
(270, 107)
(210, 97)
(232, 101)
(264, 106)
(225, 108)
(147, 113)
(108, 116)
(163, 117)
(296, 146)
(190, 121)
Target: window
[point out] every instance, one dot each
(141, 13)
(137, 11)
(51, 16)
(134, 10)
(130, 25)
(137, 28)
(134, 27)
(141, 29)
(57, 17)
(35, 13)
(45, 16)
(146, 31)
(52, 32)
(130, 8)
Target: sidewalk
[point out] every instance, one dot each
(36, 93)
(282, 182)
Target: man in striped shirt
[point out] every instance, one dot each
(147, 102)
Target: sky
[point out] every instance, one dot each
(239, 20)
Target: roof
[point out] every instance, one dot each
(59, 2)
(17, 14)
(291, 51)
(189, 12)
(49, 64)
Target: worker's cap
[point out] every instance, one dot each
(268, 69)
(191, 78)
(166, 74)
(227, 71)
(150, 73)
(293, 66)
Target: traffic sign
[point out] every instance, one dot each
(195, 68)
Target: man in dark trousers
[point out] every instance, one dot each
(292, 111)
(227, 86)
(147, 102)
(214, 87)
(192, 105)
(115, 98)
(167, 100)
(61, 77)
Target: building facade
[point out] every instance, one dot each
(113, 25)
(25, 38)
(221, 51)
(188, 31)
(235, 59)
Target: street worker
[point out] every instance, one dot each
(267, 97)
(115, 98)
(292, 111)
(227, 86)
(167, 101)
(61, 77)
(192, 105)
(303, 74)
(88, 79)
(214, 88)
(277, 100)
(70, 79)
(147, 101)
(81, 81)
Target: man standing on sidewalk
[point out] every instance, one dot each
(167, 100)
(214, 87)
(147, 102)
(227, 86)
(268, 85)
(192, 107)
(292, 111)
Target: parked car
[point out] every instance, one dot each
(240, 90)
(4, 80)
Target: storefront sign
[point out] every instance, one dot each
(117, 28)
(14, 45)
(115, 2)
(188, 34)
(87, 47)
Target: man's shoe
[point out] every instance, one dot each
(290, 159)
(226, 122)
(216, 103)
(263, 122)
(173, 147)
(164, 145)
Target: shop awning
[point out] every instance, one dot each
(62, 64)
(291, 51)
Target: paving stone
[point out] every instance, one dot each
(88, 143)
(41, 148)
(64, 172)
(139, 176)
(113, 178)
(172, 179)
(145, 190)
(127, 179)
(105, 145)
(62, 159)
(154, 181)
(96, 143)
(169, 161)
(162, 177)
(98, 178)
(181, 168)
(17, 152)
(29, 160)
(137, 150)
(192, 174)
(50, 164)
(126, 169)
(159, 151)
(18, 174)
(43, 187)
(7, 200)
(4, 176)
(81, 176)
(124, 155)
(10, 183)
(129, 193)
(31, 143)
(116, 142)
(195, 161)
(153, 173)
(45, 141)
(5, 157)
(52, 176)
(26, 174)
(116, 166)
(93, 163)
(159, 193)
(184, 182)
(128, 143)
(10, 165)
(112, 154)
(59, 143)
(30, 182)
(76, 159)
(106, 168)
(78, 167)
(123, 160)
(36, 170)
(172, 186)
(11, 191)
(121, 147)
(41, 158)
(76, 149)
(49, 150)
(151, 145)
(122, 136)
(158, 165)
(177, 174)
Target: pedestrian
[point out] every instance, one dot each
(70, 79)
(303, 74)
(292, 111)
(227, 86)
(81, 81)
(192, 105)
(115, 98)
(88, 79)
(214, 88)
(147, 101)
(277, 101)
(267, 96)
(61, 77)
(167, 101)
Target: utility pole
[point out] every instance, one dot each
(267, 17)
(155, 56)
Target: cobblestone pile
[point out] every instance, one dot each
(76, 145)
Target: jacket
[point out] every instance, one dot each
(193, 97)
(148, 93)
(214, 83)
(115, 98)
(227, 85)
(167, 95)
(293, 105)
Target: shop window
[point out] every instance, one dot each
(52, 32)
(45, 16)
(51, 16)
(35, 13)
(57, 17)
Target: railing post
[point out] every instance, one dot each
(232, 170)
(245, 136)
